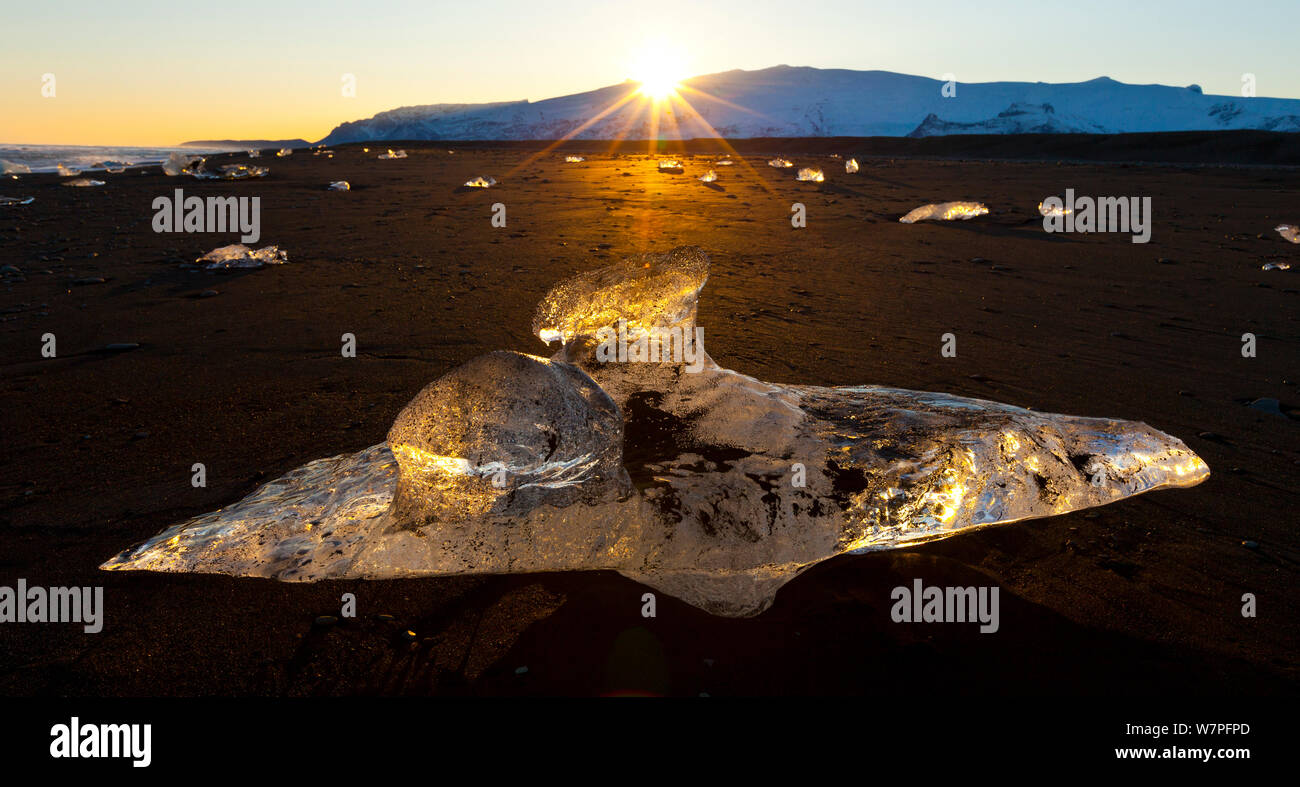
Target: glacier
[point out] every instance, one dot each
(785, 101)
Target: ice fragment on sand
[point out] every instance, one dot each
(114, 167)
(10, 168)
(237, 172)
(340, 185)
(282, 152)
(240, 256)
(393, 154)
(946, 211)
(724, 162)
(670, 165)
(67, 172)
(254, 154)
(851, 166)
(574, 159)
(780, 163)
(709, 176)
(83, 182)
(178, 164)
(512, 463)
(1276, 266)
(1288, 231)
(17, 200)
(812, 174)
(481, 182)
(1059, 209)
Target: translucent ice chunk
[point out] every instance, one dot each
(114, 167)
(1288, 231)
(669, 165)
(179, 164)
(10, 168)
(1276, 266)
(780, 163)
(574, 159)
(324, 152)
(680, 480)
(282, 152)
(254, 153)
(709, 176)
(812, 174)
(67, 172)
(724, 162)
(240, 256)
(83, 182)
(1053, 210)
(393, 154)
(17, 200)
(237, 172)
(851, 166)
(481, 182)
(340, 185)
(650, 291)
(946, 211)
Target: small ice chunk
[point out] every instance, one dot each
(83, 182)
(1053, 210)
(1276, 266)
(115, 167)
(1289, 231)
(669, 164)
(179, 164)
(851, 166)
(68, 172)
(724, 162)
(393, 154)
(240, 256)
(574, 159)
(481, 182)
(324, 152)
(254, 154)
(946, 211)
(282, 152)
(812, 174)
(240, 172)
(780, 163)
(17, 200)
(10, 168)
(340, 185)
(709, 176)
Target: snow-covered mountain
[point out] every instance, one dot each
(810, 102)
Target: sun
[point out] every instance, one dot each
(659, 67)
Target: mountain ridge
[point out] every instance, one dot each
(801, 101)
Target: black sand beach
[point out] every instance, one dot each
(1140, 597)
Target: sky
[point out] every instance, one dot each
(143, 72)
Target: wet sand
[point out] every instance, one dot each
(1142, 596)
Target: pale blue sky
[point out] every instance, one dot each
(147, 72)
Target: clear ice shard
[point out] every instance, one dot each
(945, 211)
(393, 154)
(670, 165)
(711, 486)
(481, 182)
(1288, 231)
(83, 182)
(180, 164)
(812, 174)
(1047, 211)
(67, 172)
(709, 177)
(11, 168)
(240, 256)
(779, 163)
(574, 159)
(282, 152)
(724, 162)
(851, 166)
(340, 185)
(17, 200)
(254, 153)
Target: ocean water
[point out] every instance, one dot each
(47, 158)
